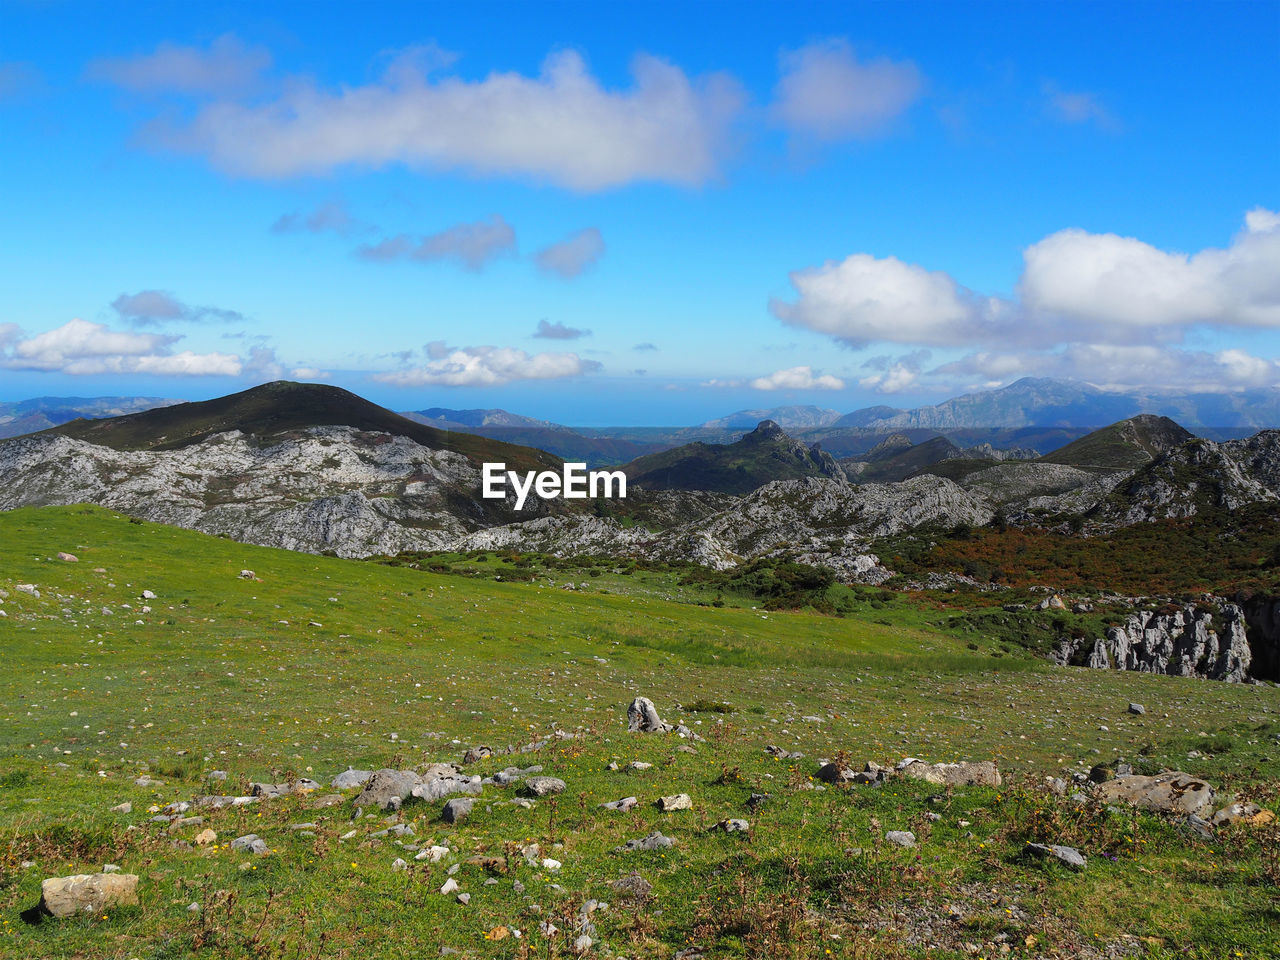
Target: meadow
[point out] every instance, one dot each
(319, 664)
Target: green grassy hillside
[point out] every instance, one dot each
(763, 455)
(323, 663)
(1126, 445)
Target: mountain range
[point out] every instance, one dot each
(316, 468)
(41, 413)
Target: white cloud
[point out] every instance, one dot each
(486, 367)
(473, 245)
(226, 67)
(561, 127)
(558, 331)
(309, 373)
(797, 378)
(826, 94)
(1120, 366)
(572, 255)
(896, 374)
(1076, 287)
(1108, 284)
(862, 299)
(82, 347)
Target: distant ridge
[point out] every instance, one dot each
(763, 455)
(283, 407)
(1126, 445)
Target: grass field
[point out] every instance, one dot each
(323, 664)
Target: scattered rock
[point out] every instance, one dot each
(1137, 709)
(68, 557)
(249, 843)
(350, 779)
(476, 754)
(679, 801)
(654, 841)
(1070, 856)
(543, 786)
(732, 826)
(1249, 813)
(642, 717)
(388, 789)
(623, 805)
(903, 838)
(963, 774)
(88, 893)
(1172, 792)
(457, 809)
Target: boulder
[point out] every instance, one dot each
(642, 717)
(654, 841)
(68, 557)
(903, 838)
(250, 843)
(1070, 856)
(623, 805)
(441, 780)
(88, 893)
(1249, 813)
(388, 789)
(678, 801)
(963, 774)
(543, 786)
(1172, 792)
(350, 778)
(457, 809)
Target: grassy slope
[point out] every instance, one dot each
(213, 678)
(1126, 445)
(281, 407)
(726, 468)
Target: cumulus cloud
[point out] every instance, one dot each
(895, 374)
(331, 216)
(558, 331)
(473, 245)
(864, 298)
(309, 373)
(1076, 287)
(797, 378)
(1078, 108)
(826, 94)
(572, 255)
(225, 67)
(153, 307)
(1105, 282)
(486, 367)
(82, 347)
(562, 126)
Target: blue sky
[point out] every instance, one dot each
(702, 206)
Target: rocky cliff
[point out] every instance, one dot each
(1182, 640)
